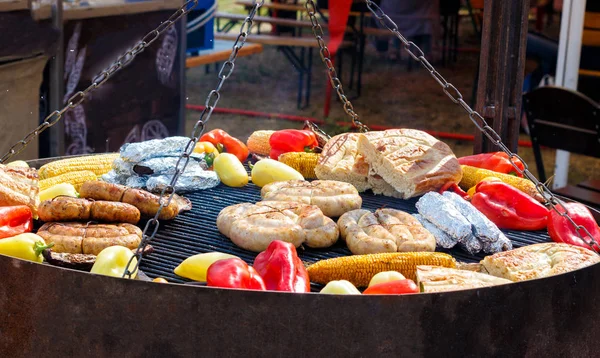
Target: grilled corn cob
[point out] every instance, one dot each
(99, 164)
(75, 178)
(359, 269)
(304, 163)
(258, 142)
(472, 176)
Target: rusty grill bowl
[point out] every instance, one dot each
(52, 311)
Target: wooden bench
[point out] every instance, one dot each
(275, 40)
(301, 61)
(221, 52)
(294, 7)
(235, 18)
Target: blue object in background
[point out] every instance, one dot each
(200, 27)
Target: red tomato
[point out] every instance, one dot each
(398, 287)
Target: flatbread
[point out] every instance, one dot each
(443, 279)
(539, 260)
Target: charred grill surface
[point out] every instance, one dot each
(195, 232)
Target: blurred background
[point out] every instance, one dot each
(50, 50)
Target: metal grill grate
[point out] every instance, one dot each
(196, 232)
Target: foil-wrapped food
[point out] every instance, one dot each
(151, 165)
(453, 220)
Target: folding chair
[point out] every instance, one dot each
(564, 119)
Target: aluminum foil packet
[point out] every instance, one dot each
(471, 245)
(136, 152)
(441, 212)
(442, 239)
(483, 228)
(503, 244)
(189, 181)
(166, 166)
(136, 182)
(121, 167)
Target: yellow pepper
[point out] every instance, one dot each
(340, 287)
(61, 189)
(113, 260)
(230, 170)
(205, 147)
(26, 246)
(266, 171)
(386, 276)
(195, 267)
(209, 150)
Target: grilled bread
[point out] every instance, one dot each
(334, 198)
(442, 279)
(19, 186)
(411, 161)
(539, 260)
(254, 226)
(386, 230)
(341, 161)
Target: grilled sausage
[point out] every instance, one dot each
(146, 202)
(81, 238)
(70, 209)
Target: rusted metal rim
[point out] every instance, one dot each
(60, 312)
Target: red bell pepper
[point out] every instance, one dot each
(281, 268)
(560, 228)
(292, 140)
(397, 287)
(226, 143)
(15, 220)
(497, 162)
(233, 273)
(508, 207)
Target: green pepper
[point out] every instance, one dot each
(113, 260)
(26, 246)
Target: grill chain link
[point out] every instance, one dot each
(454, 94)
(331, 72)
(166, 195)
(100, 79)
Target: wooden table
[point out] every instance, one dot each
(101, 8)
(220, 53)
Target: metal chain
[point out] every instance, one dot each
(331, 72)
(168, 192)
(455, 96)
(100, 79)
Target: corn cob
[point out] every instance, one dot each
(258, 142)
(359, 269)
(99, 164)
(472, 176)
(75, 178)
(304, 163)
